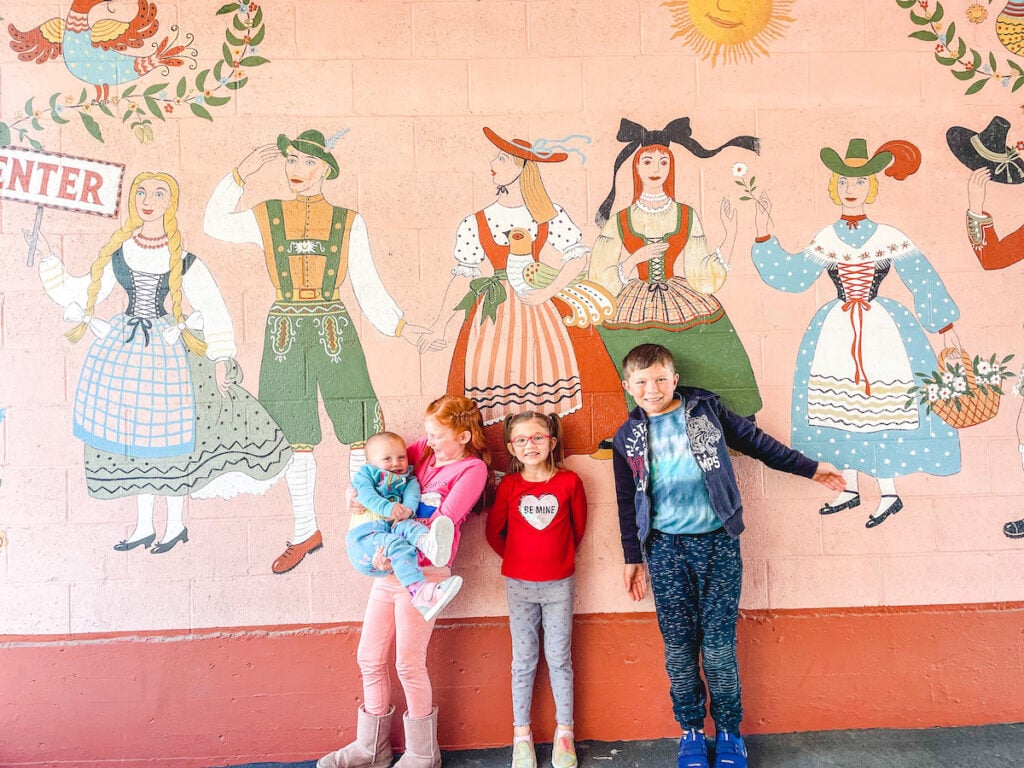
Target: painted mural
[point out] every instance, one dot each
(859, 354)
(537, 303)
(527, 340)
(158, 405)
(653, 256)
(310, 344)
(976, 66)
(734, 32)
(119, 42)
(992, 159)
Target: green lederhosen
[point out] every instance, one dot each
(313, 344)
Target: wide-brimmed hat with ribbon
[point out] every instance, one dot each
(856, 162)
(313, 143)
(538, 152)
(988, 149)
(678, 131)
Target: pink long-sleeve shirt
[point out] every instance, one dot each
(451, 490)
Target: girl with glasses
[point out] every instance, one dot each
(536, 525)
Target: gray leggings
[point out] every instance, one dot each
(530, 605)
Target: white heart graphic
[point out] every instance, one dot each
(538, 512)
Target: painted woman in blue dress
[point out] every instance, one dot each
(858, 356)
(159, 405)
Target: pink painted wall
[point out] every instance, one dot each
(415, 81)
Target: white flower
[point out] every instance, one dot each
(945, 393)
(947, 378)
(960, 384)
(995, 378)
(739, 170)
(984, 367)
(933, 391)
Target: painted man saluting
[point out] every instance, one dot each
(310, 341)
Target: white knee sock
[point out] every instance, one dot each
(144, 519)
(175, 513)
(301, 477)
(356, 459)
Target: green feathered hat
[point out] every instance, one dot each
(310, 143)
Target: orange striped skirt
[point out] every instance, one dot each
(523, 360)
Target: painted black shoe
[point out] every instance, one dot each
(124, 545)
(831, 509)
(892, 509)
(167, 546)
(1014, 529)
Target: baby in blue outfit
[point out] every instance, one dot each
(387, 488)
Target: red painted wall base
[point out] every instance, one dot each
(217, 697)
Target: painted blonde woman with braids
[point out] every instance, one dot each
(158, 404)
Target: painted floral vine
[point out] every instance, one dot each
(965, 63)
(136, 106)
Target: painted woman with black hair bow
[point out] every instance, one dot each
(653, 256)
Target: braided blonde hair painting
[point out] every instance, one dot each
(127, 230)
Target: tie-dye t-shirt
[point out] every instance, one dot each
(681, 501)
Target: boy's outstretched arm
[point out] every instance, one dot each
(829, 476)
(635, 577)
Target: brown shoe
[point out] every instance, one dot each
(293, 555)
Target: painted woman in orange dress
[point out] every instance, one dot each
(527, 340)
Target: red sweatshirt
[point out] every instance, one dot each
(536, 527)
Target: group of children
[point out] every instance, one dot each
(680, 515)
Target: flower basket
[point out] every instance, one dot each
(964, 391)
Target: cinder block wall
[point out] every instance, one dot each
(204, 656)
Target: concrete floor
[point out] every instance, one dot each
(992, 746)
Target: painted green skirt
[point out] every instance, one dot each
(708, 356)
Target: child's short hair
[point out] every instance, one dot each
(381, 436)
(644, 356)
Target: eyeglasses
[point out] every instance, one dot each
(521, 442)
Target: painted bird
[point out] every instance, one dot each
(98, 53)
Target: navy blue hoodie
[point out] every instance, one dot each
(707, 423)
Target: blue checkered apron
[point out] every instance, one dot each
(135, 395)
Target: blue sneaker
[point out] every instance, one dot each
(693, 750)
(730, 751)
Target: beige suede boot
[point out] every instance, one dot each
(372, 747)
(421, 750)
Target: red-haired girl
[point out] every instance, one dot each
(451, 466)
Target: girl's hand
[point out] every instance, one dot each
(43, 250)
(432, 340)
(413, 334)
(762, 214)
(535, 296)
(648, 252)
(220, 373)
(829, 476)
(728, 215)
(381, 561)
(976, 186)
(354, 507)
(634, 575)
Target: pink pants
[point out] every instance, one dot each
(391, 619)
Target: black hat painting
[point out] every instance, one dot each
(988, 149)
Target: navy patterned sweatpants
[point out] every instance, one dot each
(696, 583)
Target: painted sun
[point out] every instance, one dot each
(730, 29)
